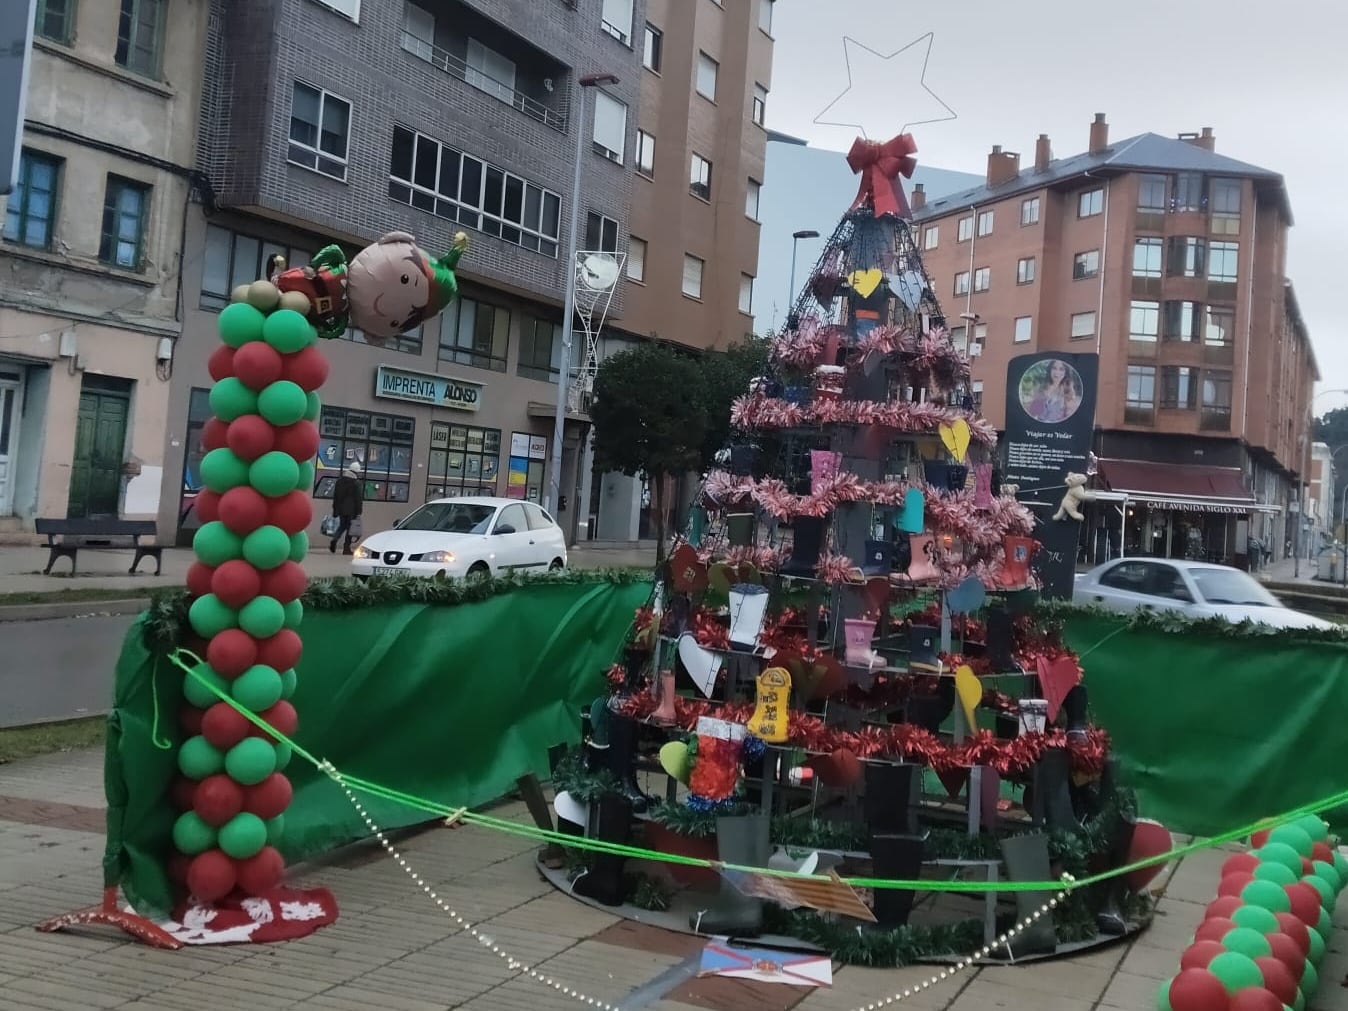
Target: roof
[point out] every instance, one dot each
(1175, 484)
(1145, 152)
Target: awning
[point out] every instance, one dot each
(537, 409)
(1182, 488)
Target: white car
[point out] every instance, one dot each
(464, 538)
(1198, 589)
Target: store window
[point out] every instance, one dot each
(380, 443)
(528, 461)
(464, 460)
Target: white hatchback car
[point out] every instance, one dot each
(464, 538)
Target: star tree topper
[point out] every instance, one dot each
(865, 100)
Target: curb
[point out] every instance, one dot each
(75, 609)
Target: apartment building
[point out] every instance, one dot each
(90, 257)
(1320, 507)
(1168, 260)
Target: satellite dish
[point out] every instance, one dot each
(598, 272)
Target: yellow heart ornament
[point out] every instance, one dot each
(955, 436)
(970, 691)
(864, 282)
(676, 761)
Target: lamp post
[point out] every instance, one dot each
(569, 302)
(807, 233)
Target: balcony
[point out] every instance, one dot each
(468, 47)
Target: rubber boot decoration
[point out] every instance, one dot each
(742, 841)
(878, 559)
(956, 477)
(1026, 859)
(897, 858)
(665, 713)
(937, 475)
(1074, 709)
(622, 755)
(999, 626)
(930, 711)
(923, 566)
(769, 721)
(922, 648)
(1051, 792)
(742, 460)
(1015, 573)
(823, 468)
(893, 792)
(858, 633)
(912, 517)
(807, 536)
(740, 530)
(983, 486)
(610, 821)
(748, 608)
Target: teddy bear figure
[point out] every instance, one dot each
(1076, 493)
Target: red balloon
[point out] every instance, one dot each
(1278, 979)
(211, 876)
(199, 579)
(1239, 863)
(1213, 929)
(257, 364)
(1200, 953)
(221, 363)
(1295, 928)
(243, 510)
(178, 864)
(1150, 839)
(282, 716)
(286, 582)
(282, 651)
(1255, 999)
(189, 718)
(214, 434)
(218, 799)
(1288, 952)
(1306, 867)
(268, 798)
(1198, 990)
(250, 436)
(181, 792)
(1224, 905)
(231, 653)
(307, 369)
(236, 583)
(224, 726)
(1321, 851)
(299, 440)
(1232, 884)
(207, 505)
(1305, 902)
(262, 872)
(1259, 838)
(291, 512)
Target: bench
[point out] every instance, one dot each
(98, 533)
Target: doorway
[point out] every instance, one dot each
(10, 393)
(100, 439)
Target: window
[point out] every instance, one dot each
(1216, 392)
(962, 283)
(126, 204)
(746, 294)
(1225, 204)
(419, 32)
(1083, 325)
(463, 461)
(692, 275)
(1181, 321)
(1029, 211)
(1147, 257)
(1141, 392)
(435, 178)
(1188, 192)
(408, 343)
(1188, 257)
(645, 153)
(699, 177)
(30, 210)
(1086, 264)
(140, 32)
(350, 8)
(617, 20)
(380, 443)
(477, 334)
(636, 258)
(1179, 388)
(765, 16)
(1090, 203)
(538, 340)
(320, 124)
(1219, 327)
(489, 71)
(653, 53)
(751, 199)
(760, 106)
(984, 223)
(610, 127)
(1025, 270)
(601, 234)
(931, 235)
(1222, 257)
(707, 69)
(1144, 321)
(1024, 329)
(1151, 193)
(966, 229)
(982, 278)
(233, 258)
(55, 19)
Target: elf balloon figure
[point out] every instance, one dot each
(387, 289)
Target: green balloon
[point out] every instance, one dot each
(266, 547)
(1325, 927)
(252, 760)
(288, 331)
(1281, 854)
(1310, 978)
(314, 406)
(288, 683)
(1267, 895)
(299, 546)
(1326, 890)
(198, 694)
(1298, 838)
(1236, 971)
(1314, 826)
(1256, 919)
(257, 688)
(306, 476)
(284, 753)
(1276, 873)
(215, 544)
(282, 403)
(274, 474)
(243, 835)
(294, 612)
(1329, 873)
(240, 323)
(192, 835)
(222, 470)
(1341, 865)
(198, 758)
(230, 399)
(1247, 941)
(1163, 996)
(1300, 1004)
(263, 617)
(209, 616)
(1316, 953)
(276, 828)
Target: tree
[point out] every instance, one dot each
(1331, 428)
(649, 419)
(725, 376)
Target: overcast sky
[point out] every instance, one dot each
(1272, 82)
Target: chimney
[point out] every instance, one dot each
(1099, 134)
(1043, 153)
(919, 198)
(1003, 166)
(1206, 140)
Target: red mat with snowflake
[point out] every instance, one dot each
(280, 915)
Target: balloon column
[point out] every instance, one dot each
(1262, 940)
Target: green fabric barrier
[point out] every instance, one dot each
(450, 703)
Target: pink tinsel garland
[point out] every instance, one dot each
(758, 411)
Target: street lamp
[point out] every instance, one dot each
(807, 233)
(569, 303)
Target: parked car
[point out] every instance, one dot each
(1198, 589)
(464, 538)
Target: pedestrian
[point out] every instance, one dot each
(348, 500)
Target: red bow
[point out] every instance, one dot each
(880, 166)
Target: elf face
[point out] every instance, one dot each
(389, 286)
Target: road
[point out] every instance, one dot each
(59, 668)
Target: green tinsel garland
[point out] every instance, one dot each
(1174, 622)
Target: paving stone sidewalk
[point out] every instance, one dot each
(393, 949)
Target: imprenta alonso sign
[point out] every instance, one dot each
(426, 388)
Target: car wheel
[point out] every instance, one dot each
(557, 565)
(479, 572)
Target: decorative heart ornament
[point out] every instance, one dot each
(955, 436)
(570, 809)
(968, 597)
(864, 282)
(702, 664)
(676, 762)
(970, 691)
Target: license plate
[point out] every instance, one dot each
(384, 570)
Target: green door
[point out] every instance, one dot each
(96, 472)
